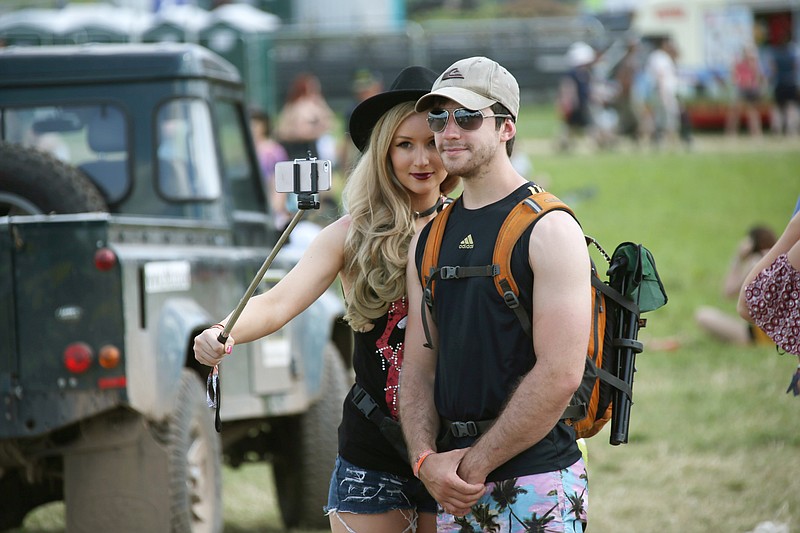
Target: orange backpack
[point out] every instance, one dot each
(592, 404)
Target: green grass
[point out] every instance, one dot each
(714, 444)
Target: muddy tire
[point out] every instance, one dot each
(195, 472)
(303, 466)
(33, 182)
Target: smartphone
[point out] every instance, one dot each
(284, 175)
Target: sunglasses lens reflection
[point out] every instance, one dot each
(466, 119)
(437, 120)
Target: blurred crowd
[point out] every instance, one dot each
(642, 95)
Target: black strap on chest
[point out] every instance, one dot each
(449, 272)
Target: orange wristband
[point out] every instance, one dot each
(421, 459)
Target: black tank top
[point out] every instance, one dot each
(483, 351)
(377, 359)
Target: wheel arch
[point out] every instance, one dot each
(172, 335)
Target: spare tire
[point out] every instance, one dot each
(34, 182)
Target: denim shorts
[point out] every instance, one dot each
(362, 491)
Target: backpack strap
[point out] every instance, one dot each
(428, 271)
(389, 427)
(521, 217)
(524, 215)
(433, 245)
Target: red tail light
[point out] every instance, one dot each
(105, 259)
(78, 357)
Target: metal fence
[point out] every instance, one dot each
(531, 49)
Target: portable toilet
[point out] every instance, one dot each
(241, 34)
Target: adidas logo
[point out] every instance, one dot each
(467, 243)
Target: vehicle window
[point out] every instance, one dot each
(238, 166)
(93, 138)
(187, 162)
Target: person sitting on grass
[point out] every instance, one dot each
(718, 323)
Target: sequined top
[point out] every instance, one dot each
(773, 299)
(377, 360)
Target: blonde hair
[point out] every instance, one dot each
(381, 227)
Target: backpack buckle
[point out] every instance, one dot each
(364, 401)
(464, 429)
(448, 272)
(511, 299)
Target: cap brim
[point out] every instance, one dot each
(368, 112)
(464, 97)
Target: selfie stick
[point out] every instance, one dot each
(305, 201)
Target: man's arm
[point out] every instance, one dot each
(561, 321)
(417, 409)
(418, 415)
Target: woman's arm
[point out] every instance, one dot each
(788, 243)
(299, 288)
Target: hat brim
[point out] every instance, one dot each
(367, 113)
(464, 97)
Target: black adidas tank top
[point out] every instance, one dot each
(483, 352)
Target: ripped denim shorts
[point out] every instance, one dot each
(362, 491)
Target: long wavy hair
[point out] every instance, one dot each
(381, 227)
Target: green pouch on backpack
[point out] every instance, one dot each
(633, 273)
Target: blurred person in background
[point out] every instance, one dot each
(575, 94)
(366, 84)
(305, 121)
(721, 325)
(749, 82)
(269, 151)
(662, 100)
(785, 69)
(627, 101)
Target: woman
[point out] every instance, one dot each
(396, 187)
(770, 294)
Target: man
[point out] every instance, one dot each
(663, 72)
(575, 95)
(525, 469)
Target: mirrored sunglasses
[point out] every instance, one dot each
(466, 119)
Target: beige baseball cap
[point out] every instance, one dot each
(475, 83)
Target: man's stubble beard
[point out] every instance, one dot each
(471, 167)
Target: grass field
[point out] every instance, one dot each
(714, 442)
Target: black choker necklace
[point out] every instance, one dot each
(430, 210)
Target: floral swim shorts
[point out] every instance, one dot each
(554, 502)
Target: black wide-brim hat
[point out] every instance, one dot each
(410, 85)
